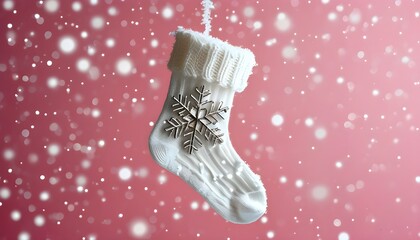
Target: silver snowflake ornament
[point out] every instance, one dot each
(195, 119)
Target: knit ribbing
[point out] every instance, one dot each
(199, 55)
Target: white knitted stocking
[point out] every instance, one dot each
(190, 138)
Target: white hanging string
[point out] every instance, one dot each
(207, 6)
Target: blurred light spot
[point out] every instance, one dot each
(309, 122)
(76, 6)
(139, 229)
(112, 11)
(52, 82)
(97, 22)
(154, 43)
(39, 220)
(81, 180)
(124, 66)
(67, 44)
(270, 234)
(96, 113)
(167, 12)
(51, 6)
(177, 216)
(360, 54)
(338, 164)
(54, 149)
(340, 80)
(337, 222)
(110, 42)
(253, 136)
(343, 236)
(5, 193)
(8, 5)
(332, 16)
(143, 172)
(205, 206)
(152, 62)
(233, 18)
(101, 143)
(320, 133)
(44, 196)
(9, 154)
(257, 25)
(417, 179)
(289, 52)
(194, 205)
(299, 183)
(249, 11)
(270, 42)
(15, 215)
(83, 64)
(264, 219)
(277, 120)
(283, 22)
(125, 173)
(320, 192)
(355, 17)
(24, 236)
(162, 178)
(283, 179)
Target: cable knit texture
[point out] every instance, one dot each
(199, 55)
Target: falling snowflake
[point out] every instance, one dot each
(195, 119)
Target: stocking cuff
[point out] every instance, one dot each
(199, 55)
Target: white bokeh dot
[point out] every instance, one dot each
(139, 229)
(289, 52)
(67, 44)
(97, 22)
(76, 6)
(83, 64)
(44, 196)
(9, 154)
(39, 220)
(194, 205)
(110, 42)
(309, 122)
(5, 193)
(299, 183)
(154, 43)
(24, 236)
(15, 215)
(53, 82)
(125, 173)
(343, 236)
(54, 149)
(81, 180)
(8, 5)
(124, 66)
(270, 234)
(283, 22)
(319, 192)
(249, 11)
(51, 6)
(167, 12)
(337, 222)
(320, 133)
(277, 120)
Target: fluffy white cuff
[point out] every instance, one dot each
(199, 55)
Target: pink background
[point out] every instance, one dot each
(330, 119)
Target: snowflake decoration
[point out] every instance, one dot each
(195, 119)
